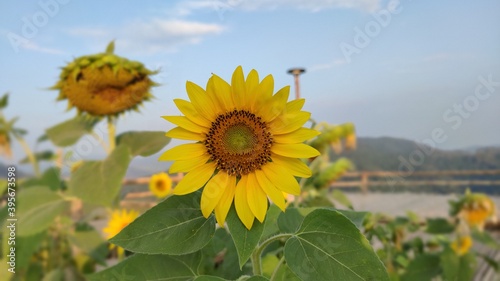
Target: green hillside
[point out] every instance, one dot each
(393, 154)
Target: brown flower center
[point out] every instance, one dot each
(239, 142)
(160, 185)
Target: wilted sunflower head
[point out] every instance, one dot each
(104, 84)
(476, 208)
(248, 142)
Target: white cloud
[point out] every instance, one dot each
(221, 6)
(156, 35)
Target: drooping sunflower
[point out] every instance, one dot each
(104, 84)
(248, 142)
(119, 220)
(160, 185)
(476, 209)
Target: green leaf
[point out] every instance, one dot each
(143, 143)
(151, 267)
(46, 155)
(423, 268)
(485, 238)
(245, 240)
(209, 278)
(26, 246)
(328, 246)
(38, 207)
(50, 178)
(467, 267)
(355, 217)
(491, 262)
(91, 243)
(450, 262)
(257, 278)
(291, 219)
(99, 182)
(340, 197)
(4, 101)
(175, 226)
(439, 226)
(221, 257)
(271, 222)
(70, 131)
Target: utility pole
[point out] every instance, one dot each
(296, 73)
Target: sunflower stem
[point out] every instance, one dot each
(111, 135)
(29, 153)
(257, 253)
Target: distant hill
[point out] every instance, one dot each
(391, 154)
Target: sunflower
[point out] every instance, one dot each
(462, 245)
(119, 220)
(104, 84)
(160, 185)
(477, 208)
(248, 142)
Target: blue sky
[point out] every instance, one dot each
(406, 79)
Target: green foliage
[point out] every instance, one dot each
(38, 208)
(423, 268)
(175, 226)
(144, 143)
(439, 226)
(69, 132)
(46, 155)
(329, 247)
(245, 240)
(99, 182)
(152, 267)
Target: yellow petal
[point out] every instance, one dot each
(190, 112)
(241, 203)
(295, 105)
(220, 91)
(271, 190)
(189, 164)
(213, 192)
(252, 83)
(195, 179)
(265, 89)
(238, 87)
(293, 165)
(185, 123)
(257, 199)
(183, 152)
(225, 202)
(183, 134)
(201, 101)
(274, 106)
(294, 150)
(297, 136)
(289, 122)
(281, 178)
